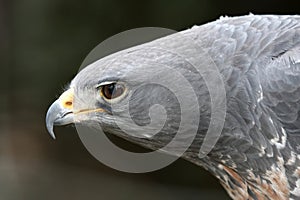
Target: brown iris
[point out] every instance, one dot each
(113, 90)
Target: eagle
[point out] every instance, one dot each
(256, 154)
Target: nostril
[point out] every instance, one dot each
(68, 103)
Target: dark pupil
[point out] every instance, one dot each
(112, 90)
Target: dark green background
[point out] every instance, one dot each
(42, 44)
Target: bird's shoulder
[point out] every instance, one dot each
(259, 58)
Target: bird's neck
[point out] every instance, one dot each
(262, 177)
(242, 182)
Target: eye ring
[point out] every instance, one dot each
(112, 91)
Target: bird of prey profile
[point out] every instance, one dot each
(257, 155)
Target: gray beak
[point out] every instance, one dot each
(59, 114)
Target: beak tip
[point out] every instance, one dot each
(52, 135)
(50, 131)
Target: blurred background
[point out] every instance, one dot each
(42, 45)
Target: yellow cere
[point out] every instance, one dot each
(66, 99)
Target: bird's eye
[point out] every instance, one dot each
(112, 90)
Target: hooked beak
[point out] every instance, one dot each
(60, 112)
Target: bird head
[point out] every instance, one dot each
(141, 94)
